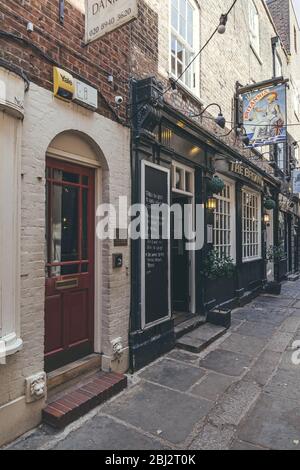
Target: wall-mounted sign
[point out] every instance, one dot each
(155, 256)
(246, 172)
(85, 95)
(264, 115)
(63, 84)
(296, 181)
(104, 16)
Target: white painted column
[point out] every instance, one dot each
(11, 115)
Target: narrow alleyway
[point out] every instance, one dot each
(241, 393)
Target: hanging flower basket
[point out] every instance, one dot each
(270, 204)
(216, 185)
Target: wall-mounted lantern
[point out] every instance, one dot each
(267, 219)
(211, 203)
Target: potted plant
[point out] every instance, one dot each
(217, 266)
(275, 254)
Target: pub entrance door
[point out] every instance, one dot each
(180, 263)
(69, 305)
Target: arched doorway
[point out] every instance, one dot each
(72, 164)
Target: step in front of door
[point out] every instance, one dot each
(74, 404)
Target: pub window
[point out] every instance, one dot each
(254, 28)
(281, 156)
(251, 225)
(182, 179)
(224, 222)
(185, 42)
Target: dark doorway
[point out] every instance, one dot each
(180, 262)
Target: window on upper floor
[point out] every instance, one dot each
(254, 27)
(277, 65)
(295, 39)
(185, 42)
(281, 156)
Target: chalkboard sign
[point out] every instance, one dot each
(155, 250)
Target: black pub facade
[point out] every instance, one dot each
(175, 161)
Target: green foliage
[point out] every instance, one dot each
(270, 204)
(217, 266)
(216, 185)
(276, 253)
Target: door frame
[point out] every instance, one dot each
(192, 254)
(98, 249)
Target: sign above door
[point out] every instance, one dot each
(104, 16)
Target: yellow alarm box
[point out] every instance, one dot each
(64, 86)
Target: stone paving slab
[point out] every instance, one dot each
(234, 404)
(156, 409)
(184, 356)
(226, 362)
(264, 367)
(273, 423)
(258, 330)
(280, 341)
(279, 301)
(286, 384)
(103, 433)
(241, 344)
(240, 445)
(212, 386)
(173, 374)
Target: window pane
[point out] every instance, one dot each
(60, 175)
(190, 25)
(64, 221)
(182, 26)
(174, 14)
(84, 224)
(180, 52)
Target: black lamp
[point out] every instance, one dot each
(220, 120)
(222, 25)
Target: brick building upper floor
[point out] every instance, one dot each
(162, 41)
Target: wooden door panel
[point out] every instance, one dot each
(76, 309)
(53, 324)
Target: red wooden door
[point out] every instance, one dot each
(69, 305)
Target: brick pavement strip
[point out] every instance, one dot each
(241, 393)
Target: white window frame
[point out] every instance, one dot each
(254, 27)
(232, 215)
(246, 221)
(195, 68)
(186, 173)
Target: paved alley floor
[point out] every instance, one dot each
(241, 393)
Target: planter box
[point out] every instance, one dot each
(220, 318)
(273, 288)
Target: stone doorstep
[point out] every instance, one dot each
(201, 338)
(74, 404)
(294, 277)
(188, 326)
(73, 371)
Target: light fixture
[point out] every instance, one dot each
(222, 25)
(267, 218)
(211, 203)
(219, 120)
(244, 137)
